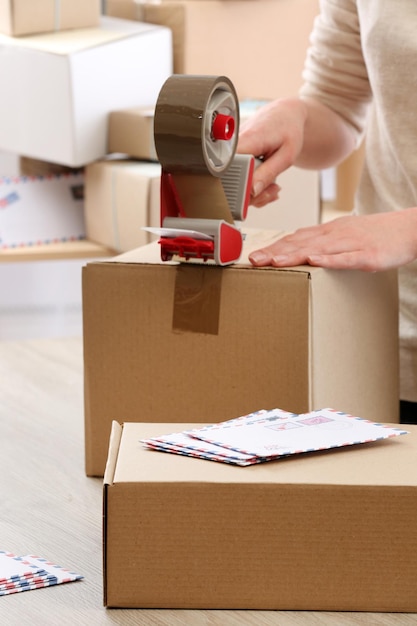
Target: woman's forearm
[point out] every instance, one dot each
(328, 139)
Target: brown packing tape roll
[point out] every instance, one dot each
(183, 123)
(197, 299)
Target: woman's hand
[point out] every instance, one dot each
(368, 242)
(275, 134)
(292, 131)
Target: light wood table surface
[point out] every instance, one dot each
(50, 508)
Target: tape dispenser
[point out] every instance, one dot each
(205, 185)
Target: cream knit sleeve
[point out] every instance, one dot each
(335, 72)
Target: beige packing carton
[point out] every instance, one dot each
(259, 44)
(324, 531)
(121, 197)
(28, 17)
(125, 9)
(190, 342)
(131, 132)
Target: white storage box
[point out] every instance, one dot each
(59, 88)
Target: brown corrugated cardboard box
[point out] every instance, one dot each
(120, 198)
(331, 531)
(130, 131)
(180, 342)
(26, 17)
(259, 44)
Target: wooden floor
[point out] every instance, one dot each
(50, 508)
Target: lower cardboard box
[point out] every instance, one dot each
(331, 531)
(187, 342)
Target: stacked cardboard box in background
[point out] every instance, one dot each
(26, 17)
(122, 196)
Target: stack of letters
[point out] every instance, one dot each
(23, 573)
(271, 434)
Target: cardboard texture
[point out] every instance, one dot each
(69, 82)
(27, 17)
(120, 198)
(245, 30)
(131, 132)
(205, 344)
(329, 531)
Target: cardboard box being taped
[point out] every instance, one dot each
(177, 341)
(324, 531)
(121, 196)
(28, 17)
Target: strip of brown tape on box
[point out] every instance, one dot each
(197, 299)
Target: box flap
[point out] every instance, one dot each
(114, 444)
(76, 40)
